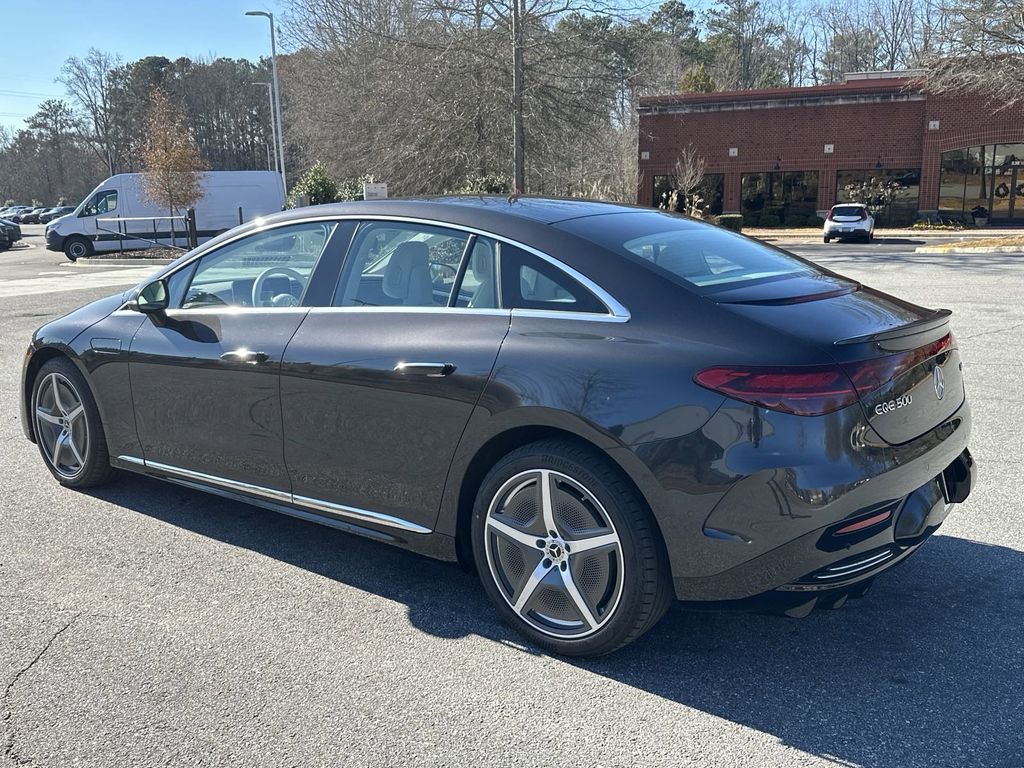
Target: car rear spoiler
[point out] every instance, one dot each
(909, 336)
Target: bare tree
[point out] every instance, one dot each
(980, 49)
(173, 169)
(88, 82)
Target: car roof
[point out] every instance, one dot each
(466, 208)
(849, 205)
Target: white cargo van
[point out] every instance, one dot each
(117, 216)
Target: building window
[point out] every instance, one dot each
(710, 191)
(990, 176)
(780, 198)
(905, 204)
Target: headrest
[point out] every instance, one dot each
(407, 259)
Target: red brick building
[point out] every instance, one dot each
(788, 153)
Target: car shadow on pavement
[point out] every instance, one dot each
(927, 670)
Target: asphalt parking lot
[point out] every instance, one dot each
(146, 624)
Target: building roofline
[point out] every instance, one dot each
(866, 87)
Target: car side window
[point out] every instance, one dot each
(478, 288)
(267, 269)
(530, 282)
(102, 202)
(401, 264)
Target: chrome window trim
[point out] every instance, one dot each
(340, 510)
(616, 311)
(394, 309)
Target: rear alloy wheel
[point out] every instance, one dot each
(567, 551)
(67, 426)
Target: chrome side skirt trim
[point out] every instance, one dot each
(363, 515)
(223, 482)
(339, 510)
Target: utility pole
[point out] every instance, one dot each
(277, 93)
(518, 133)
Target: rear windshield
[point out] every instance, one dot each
(704, 256)
(847, 210)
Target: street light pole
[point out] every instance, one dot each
(277, 92)
(273, 125)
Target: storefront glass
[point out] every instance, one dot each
(710, 190)
(779, 198)
(987, 179)
(904, 205)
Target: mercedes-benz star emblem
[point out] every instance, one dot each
(940, 385)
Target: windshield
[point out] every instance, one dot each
(706, 257)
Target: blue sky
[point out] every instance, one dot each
(45, 35)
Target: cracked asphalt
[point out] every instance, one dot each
(145, 624)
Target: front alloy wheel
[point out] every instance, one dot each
(67, 426)
(61, 426)
(567, 549)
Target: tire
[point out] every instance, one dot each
(77, 247)
(624, 585)
(82, 460)
(828, 239)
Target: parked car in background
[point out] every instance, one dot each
(14, 214)
(32, 216)
(229, 198)
(849, 221)
(602, 408)
(55, 213)
(12, 230)
(5, 241)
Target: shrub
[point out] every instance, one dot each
(487, 184)
(814, 220)
(352, 189)
(316, 186)
(733, 221)
(768, 220)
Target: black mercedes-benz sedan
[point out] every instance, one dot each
(601, 408)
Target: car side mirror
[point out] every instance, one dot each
(152, 298)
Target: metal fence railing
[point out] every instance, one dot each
(127, 229)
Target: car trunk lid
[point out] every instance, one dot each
(901, 358)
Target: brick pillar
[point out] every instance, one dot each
(731, 192)
(826, 188)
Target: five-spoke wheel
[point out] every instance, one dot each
(60, 425)
(67, 426)
(567, 549)
(554, 553)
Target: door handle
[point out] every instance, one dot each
(245, 356)
(426, 369)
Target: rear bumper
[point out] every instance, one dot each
(777, 489)
(830, 559)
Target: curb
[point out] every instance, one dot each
(952, 248)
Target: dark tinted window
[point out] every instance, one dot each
(529, 282)
(847, 210)
(706, 257)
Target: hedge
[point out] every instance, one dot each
(733, 221)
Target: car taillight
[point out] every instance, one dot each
(814, 390)
(829, 217)
(876, 372)
(800, 390)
